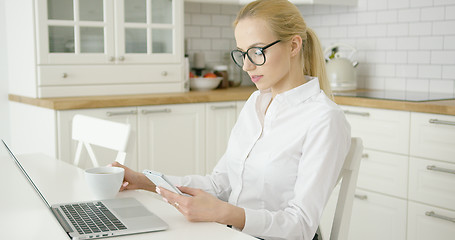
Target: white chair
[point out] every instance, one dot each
(348, 178)
(94, 131)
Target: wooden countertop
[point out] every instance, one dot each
(219, 95)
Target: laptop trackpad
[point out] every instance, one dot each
(132, 212)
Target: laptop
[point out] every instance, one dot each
(100, 218)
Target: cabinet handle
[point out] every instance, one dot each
(166, 110)
(361, 197)
(121, 58)
(437, 121)
(64, 75)
(438, 169)
(435, 215)
(164, 73)
(363, 114)
(365, 155)
(112, 59)
(110, 114)
(222, 107)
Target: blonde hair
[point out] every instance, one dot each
(285, 21)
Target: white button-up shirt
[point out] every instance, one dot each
(281, 162)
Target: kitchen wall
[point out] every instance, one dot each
(404, 45)
(4, 106)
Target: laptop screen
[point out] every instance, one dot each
(6, 151)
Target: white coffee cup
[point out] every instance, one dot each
(104, 182)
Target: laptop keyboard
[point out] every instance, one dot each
(92, 217)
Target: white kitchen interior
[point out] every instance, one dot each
(405, 47)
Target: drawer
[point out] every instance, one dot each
(380, 129)
(432, 186)
(384, 172)
(377, 217)
(108, 74)
(427, 222)
(433, 136)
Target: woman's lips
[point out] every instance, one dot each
(255, 78)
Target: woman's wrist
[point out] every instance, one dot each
(232, 215)
(146, 184)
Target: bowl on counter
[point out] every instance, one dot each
(204, 84)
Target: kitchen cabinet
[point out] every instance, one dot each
(384, 172)
(406, 178)
(220, 118)
(83, 47)
(166, 138)
(431, 210)
(175, 139)
(429, 222)
(380, 129)
(376, 216)
(433, 136)
(379, 209)
(172, 138)
(329, 2)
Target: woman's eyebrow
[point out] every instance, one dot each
(252, 45)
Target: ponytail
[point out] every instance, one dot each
(313, 61)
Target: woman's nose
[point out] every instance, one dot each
(248, 65)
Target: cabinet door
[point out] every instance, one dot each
(149, 31)
(172, 138)
(67, 146)
(380, 129)
(75, 31)
(433, 136)
(220, 118)
(384, 172)
(377, 217)
(428, 222)
(432, 182)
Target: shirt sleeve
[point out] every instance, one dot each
(324, 149)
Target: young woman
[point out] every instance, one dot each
(289, 143)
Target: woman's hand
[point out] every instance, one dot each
(204, 207)
(134, 180)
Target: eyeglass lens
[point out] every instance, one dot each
(255, 55)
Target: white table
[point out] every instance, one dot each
(23, 215)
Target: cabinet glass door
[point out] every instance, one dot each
(75, 31)
(147, 29)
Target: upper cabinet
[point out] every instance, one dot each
(327, 2)
(95, 47)
(97, 31)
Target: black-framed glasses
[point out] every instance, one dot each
(255, 54)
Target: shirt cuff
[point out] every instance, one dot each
(255, 221)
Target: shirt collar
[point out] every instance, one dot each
(297, 94)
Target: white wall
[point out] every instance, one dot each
(4, 106)
(404, 45)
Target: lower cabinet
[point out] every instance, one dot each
(176, 139)
(220, 118)
(406, 177)
(171, 138)
(429, 222)
(377, 217)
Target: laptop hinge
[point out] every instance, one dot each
(62, 220)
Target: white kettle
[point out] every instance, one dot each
(341, 71)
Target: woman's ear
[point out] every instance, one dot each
(296, 45)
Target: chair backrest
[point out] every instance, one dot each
(348, 177)
(94, 131)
